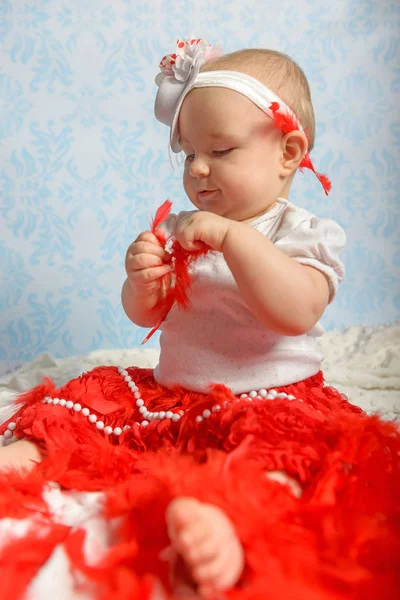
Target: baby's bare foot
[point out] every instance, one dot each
(206, 539)
(20, 455)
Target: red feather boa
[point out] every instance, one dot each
(340, 541)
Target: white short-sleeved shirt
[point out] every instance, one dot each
(219, 340)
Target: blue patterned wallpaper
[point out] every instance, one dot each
(84, 163)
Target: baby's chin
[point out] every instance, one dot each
(218, 204)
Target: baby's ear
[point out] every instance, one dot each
(294, 145)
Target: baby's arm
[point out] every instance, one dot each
(286, 296)
(21, 454)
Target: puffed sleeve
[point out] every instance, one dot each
(317, 243)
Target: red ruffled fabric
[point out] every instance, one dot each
(340, 540)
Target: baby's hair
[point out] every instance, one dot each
(278, 72)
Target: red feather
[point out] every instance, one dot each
(21, 559)
(161, 215)
(181, 259)
(306, 163)
(285, 122)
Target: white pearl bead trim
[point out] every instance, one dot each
(267, 395)
(8, 437)
(148, 416)
(92, 418)
(250, 396)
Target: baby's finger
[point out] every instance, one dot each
(147, 249)
(188, 244)
(148, 236)
(149, 275)
(143, 261)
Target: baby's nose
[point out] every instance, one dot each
(199, 168)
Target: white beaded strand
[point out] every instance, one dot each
(148, 416)
(249, 397)
(8, 437)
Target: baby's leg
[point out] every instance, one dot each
(21, 454)
(207, 541)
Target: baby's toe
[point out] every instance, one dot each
(193, 535)
(181, 515)
(211, 573)
(202, 553)
(222, 572)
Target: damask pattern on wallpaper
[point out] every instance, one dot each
(84, 164)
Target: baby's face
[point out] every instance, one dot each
(233, 154)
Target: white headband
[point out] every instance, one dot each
(180, 73)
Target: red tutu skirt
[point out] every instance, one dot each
(118, 436)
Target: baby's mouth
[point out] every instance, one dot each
(206, 193)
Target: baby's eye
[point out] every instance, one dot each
(222, 152)
(189, 157)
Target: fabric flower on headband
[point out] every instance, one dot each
(178, 72)
(188, 53)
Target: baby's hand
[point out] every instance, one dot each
(146, 263)
(195, 228)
